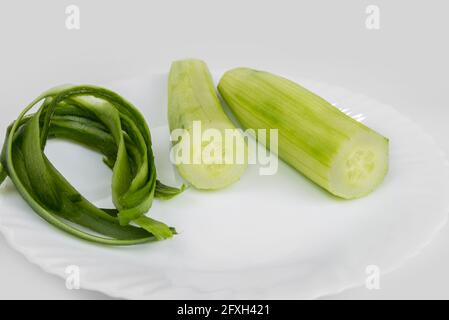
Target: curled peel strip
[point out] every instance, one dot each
(104, 121)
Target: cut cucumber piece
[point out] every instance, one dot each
(194, 107)
(335, 151)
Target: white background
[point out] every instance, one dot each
(404, 64)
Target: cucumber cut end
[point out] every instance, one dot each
(360, 166)
(211, 176)
(213, 163)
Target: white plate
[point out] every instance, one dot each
(266, 236)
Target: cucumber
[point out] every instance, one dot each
(194, 107)
(338, 153)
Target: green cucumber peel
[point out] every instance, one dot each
(104, 121)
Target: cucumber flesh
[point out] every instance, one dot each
(192, 98)
(338, 153)
(359, 167)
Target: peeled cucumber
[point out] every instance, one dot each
(193, 108)
(338, 153)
